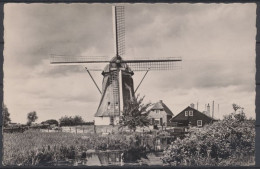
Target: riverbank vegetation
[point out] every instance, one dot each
(38, 148)
(228, 142)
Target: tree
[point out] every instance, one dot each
(6, 115)
(71, 121)
(31, 117)
(236, 107)
(135, 114)
(78, 120)
(240, 116)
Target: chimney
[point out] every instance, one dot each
(160, 101)
(197, 105)
(213, 109)
(192, 105)
(208, 109)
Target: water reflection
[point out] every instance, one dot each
(115, 158)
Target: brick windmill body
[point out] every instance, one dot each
(117, 85)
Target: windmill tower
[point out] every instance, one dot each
(117, 85)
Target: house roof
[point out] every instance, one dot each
(161, 106)
(183, 118)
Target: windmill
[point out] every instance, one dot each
(117, 85)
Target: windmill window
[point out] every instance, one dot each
(108, 105)
(157, 111)
(186, 113)
(190, 113)
(199, 123)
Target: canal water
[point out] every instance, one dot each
(115, 158)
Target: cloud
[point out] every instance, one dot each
(44, 28)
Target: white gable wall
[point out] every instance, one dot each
(161, 114)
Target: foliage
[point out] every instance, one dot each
(71, 121)
(227, 142)
(135, 114)
(240, 116)
(51, 122)
(41, 148)
(236, 107)
(33, 147)
(6, 115)
(31, 117)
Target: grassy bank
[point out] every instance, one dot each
(38, 148)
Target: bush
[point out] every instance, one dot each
(227, 142)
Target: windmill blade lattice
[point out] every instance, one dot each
(114, 93)
(119, 29)
(171, 63)
(60, 59)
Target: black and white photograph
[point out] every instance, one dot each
(120, 84)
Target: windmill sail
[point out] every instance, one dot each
(170, 63)
(60, 59)
(119, 29)
(114, 75)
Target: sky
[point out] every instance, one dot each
(216, 43)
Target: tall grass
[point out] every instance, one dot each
(40, 148)
(33, 147)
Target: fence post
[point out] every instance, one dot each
(76, 130)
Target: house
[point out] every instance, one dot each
(160, 114)
(191, 116)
